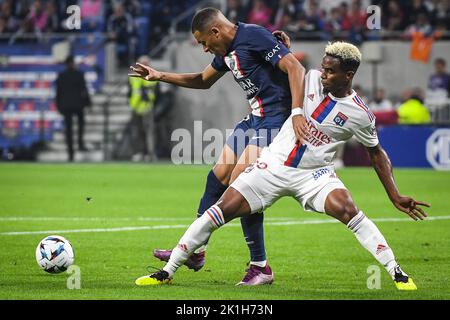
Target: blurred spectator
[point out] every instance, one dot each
(380, 102)
(416, 8)
(38, 16)
(440, 79)
(355, 18)
(72, 97)
(53, 20)
(421, 25)
(383, 109)
(439, 82)
(260, 14)
(334, 22)
(315, 15)
(442, 13)
(9, 22)
(142, 95)
(395, 17)
(235, 11)
(283, 14)
(355, 22)
(92, 15)
(413, 111)
(121, 30)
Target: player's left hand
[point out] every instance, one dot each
(300, 128)
(410, 207)
(283, 37)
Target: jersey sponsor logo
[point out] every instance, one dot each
(318, 173)
(271, 53)
(317, 137)
(340, 119)
(232, 61)
(249, 87)
(311, 96)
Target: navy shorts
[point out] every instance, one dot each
(258, 131)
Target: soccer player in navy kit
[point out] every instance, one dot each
(273, 81)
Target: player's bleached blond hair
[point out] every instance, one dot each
(349, 54)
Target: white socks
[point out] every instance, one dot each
(260, 264)
(371, 238)
(194, 237)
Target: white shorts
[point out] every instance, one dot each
(265, 181)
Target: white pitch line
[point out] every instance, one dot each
(285, 223)
(13, 218)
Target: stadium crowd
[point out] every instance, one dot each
(125, 21)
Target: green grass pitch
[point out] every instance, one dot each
(93, 205)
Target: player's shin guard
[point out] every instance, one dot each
(371, 238)
(195, 236)
(253, 229)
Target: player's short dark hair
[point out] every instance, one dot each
(203, 18)
(348, 64)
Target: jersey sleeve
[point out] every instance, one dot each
(367, 135)
(219, 64)
(267, 46)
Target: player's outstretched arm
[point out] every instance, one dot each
(383, 167)
(200, 80)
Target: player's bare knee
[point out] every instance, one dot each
(233, 205)
(340, 205)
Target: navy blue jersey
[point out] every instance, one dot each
(252, 59)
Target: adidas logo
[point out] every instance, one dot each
(381, 248)
(183, 247)
(311, 96)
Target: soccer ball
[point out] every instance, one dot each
(54, 254)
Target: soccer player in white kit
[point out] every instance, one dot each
(305, 171)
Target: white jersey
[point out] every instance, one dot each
(331, 121)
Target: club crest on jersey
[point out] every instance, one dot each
(231, 60)
(340, 119)
(311, 96)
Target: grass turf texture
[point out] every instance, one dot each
(310, 261)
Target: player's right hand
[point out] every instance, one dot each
(144, 72)
(300, 128)
(411, 207)
(283, 37)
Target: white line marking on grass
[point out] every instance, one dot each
(179, 226)
(13, 218)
